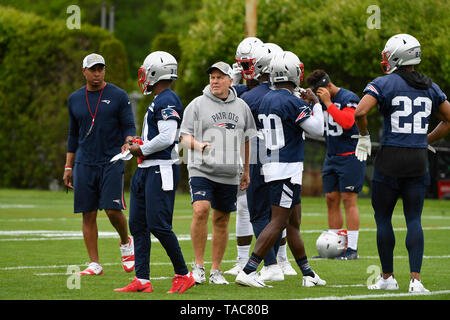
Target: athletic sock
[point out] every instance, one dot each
(304, 266)
(282, 254)
(252, 264)
(243, 252)
(352, 237)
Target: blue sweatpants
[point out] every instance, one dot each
(151, 212)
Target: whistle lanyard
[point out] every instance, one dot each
(96, 109)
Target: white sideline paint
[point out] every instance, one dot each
(43, 235)
(169, 263)
(385, 295)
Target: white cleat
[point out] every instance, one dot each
(271, 273)
(309, 281)
(250, 280)
(384, 284)
(415, 286)
(235, 270)
(216, 277)
(286, 267)
(198, 272)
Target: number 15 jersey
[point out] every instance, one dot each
(406, 110)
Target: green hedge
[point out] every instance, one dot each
(40, 66)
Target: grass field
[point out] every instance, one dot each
(41, 241)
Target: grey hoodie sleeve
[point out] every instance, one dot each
(189, 117)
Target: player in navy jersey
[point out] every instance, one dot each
(101, 120)
(342, 173)
(155, 181)
(284, 117)
(406, 99)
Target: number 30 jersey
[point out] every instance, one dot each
(406, 111)
(280, 115)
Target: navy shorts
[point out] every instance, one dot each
(222, 196)
(343, 174)
(283, 193)
(98, 187)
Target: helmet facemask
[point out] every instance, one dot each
(247, 67)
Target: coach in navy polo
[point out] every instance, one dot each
(101, 121)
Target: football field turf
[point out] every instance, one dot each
(41, 245)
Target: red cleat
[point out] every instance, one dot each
(136, 286)
(182, 283)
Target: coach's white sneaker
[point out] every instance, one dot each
(250, 280)
(309, 281)
(415, 286)
(384, 284)
(286, 267)
(216, 277)
(198, 272)
(271, 273)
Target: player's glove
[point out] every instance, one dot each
(363, 148)
(139, 141)
(237, 74)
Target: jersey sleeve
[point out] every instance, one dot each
(374, 89)
(440, 95)
(166, 110)
(301, 111)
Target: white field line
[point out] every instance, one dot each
(44, 235)
(385, 295)
(169, 263)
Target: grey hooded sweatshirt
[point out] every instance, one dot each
(226, 125)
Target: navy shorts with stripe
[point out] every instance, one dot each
(99, 187)
(222, 196)
(283, 193)
(343, 174)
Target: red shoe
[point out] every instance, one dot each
(136, 286)
(94, 269)
(182, 283)
(127, 251)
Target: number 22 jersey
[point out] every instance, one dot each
(406, 110)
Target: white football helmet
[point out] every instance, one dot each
(244, 56)
(286, 66)
(158, 65)
(331, 244)
(400, 50)
(263, 55)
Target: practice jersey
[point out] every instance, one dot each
(280, 115)
(114, 122)
(406, 111)
(253, 98)
(166, 106)
(338, 139)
